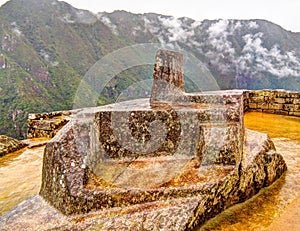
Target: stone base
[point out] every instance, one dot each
(131, 153)
(261, 166)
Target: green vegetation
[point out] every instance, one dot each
(48, 46)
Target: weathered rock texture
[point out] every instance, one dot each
(168, 78)
(261, 166)
(280, 102)
(169, 163)
(8, 145)
(102, 159)
(91, 142)
(273, 101)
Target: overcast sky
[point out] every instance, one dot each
(286, 13)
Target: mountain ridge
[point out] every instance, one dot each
(46, 48)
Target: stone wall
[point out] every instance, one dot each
(46, 124)
(280, 102)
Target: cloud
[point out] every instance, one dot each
(219, 29)
(171, 30)
(274, 60)
(67, 18)
(175, 28)
(254, 56)
(84, 16)
(106, 21)
(151, 26)
(254, 43)
(238, 25)
(222, 49)
(253, 25)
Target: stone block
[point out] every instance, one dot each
(275, 106)
(251, 93)
(257, 99)
(116, 145)
(246, 94)
(9, 145)
(279, 100)
(268, 99)
(168, 78)
(282, 94)
(122, 153)
(257, 93)
(260, 169)
(289, 100)
(46, 124)
(296, 101)
(294, 95)
(297, 108)
(264, 106)
(281, 112)
(271, 111)
(257, 110)
(288, 107)
(295, 113)
(253, 105)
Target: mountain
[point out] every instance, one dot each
(46, 47)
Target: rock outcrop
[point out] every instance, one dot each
(8, 145)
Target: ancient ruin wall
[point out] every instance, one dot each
(280, 102)
(46, 125)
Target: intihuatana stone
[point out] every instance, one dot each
(116, 145)
(168, 77)
(8, 145)
(132, 152)
(169, 162)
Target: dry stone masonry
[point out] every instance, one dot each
(46, 124)
(273, 101)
